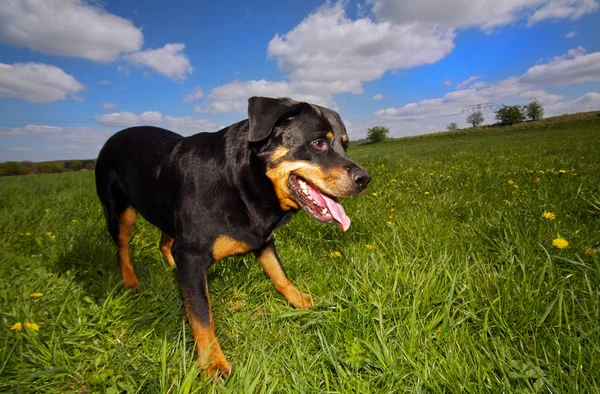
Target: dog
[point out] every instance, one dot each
(215, 195)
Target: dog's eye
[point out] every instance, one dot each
(319, 144)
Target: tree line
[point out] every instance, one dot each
(48, 167)
(507, 115)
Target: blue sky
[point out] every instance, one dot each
(73, 72)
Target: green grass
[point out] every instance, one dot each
(457, 290)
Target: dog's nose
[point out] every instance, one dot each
(361, 178)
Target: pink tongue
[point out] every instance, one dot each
(335, 208)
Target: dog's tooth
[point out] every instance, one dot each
(324, 211)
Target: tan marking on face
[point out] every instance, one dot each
(279, 153)
(344, 138)
(270, 262)
(335, 182)
(126, 223)
(226, 246)
(166, 242)
(329, 136)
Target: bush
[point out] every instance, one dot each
(451, 126)
(377, 134)
(50, 167)
(77, 165)
(13, 168)
(510, 114)
(534, 110)
(476, 118)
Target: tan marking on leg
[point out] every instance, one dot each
(226, 246)
(270, 263)
(166, 242)
(211, 359)
(126, 222)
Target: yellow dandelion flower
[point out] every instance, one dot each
(431, 173)
(448, 177)
(516, 186)
(560, 243)
(390, 223)
(374, 194)
(335, 254)
(511, 182)
(369, 246)
(591, 251)
(437, 162)
(16, 327)
(47, 210)
(32, 326)
(536, 180)
(541, 171)
(427, 193)
(548, 215)
(562, 171)
(394, 181)
(36, 295)
(392, 209)
(73, 220)
(530, 171)
(49, 233)
(27, 234)
(506, 201)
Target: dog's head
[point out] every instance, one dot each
(303, 147)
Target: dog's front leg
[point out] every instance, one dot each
(191, 271)
(268, 259)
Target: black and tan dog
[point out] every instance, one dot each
(219, 194)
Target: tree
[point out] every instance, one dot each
(476, 118)
(510, 114)
(50, 167)
(77, 165)
(451, 126)
(377, 134)
(534, 110)
(12, 168)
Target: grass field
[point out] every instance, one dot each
(447, 281)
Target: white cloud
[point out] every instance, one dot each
(36, 82)
(233, 96)
(467, 82)
(178, 124)
(588, 102)
(109, 106)
(189, 125)
(328, 54)
(378, 96)
(542, 96)
(67, 27)
(30, 130)
(329, 47)
(570, 34)
(195, 95)
(169, 61)
(486, 14)
(562, 70)
(130, 119)
(563, 9)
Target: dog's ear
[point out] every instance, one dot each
(265, 112)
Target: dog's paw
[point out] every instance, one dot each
(302, 301)
(217, 368)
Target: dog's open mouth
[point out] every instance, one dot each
(322, 207)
